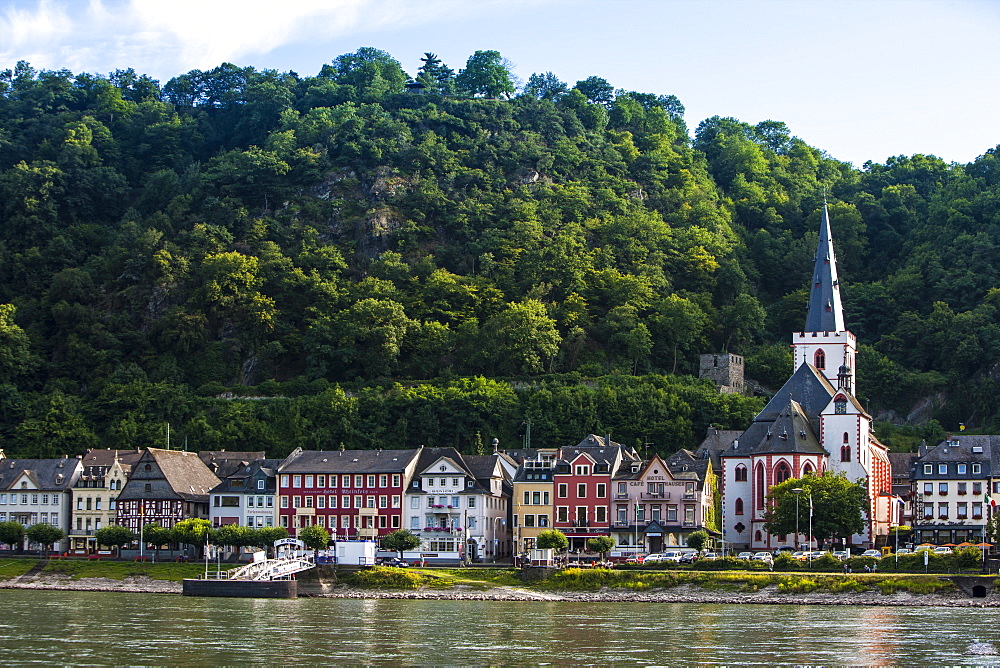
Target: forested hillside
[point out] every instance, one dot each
(266, 260)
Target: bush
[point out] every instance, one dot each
(388, 577)
(786, 562)
(729, 564)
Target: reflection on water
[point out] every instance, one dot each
(108, 628)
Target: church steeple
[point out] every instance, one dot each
(826, 313)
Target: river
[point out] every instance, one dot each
(62, 627)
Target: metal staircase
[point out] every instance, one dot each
(271, 569)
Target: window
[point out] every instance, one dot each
(640, 513)
(346, 481)
(309, 501)
(79, 503)
(444, 482)
(284, 501)
(371, 481)
(396, 480)
(977, 469)
(942, 488)
(321, 521)
(383, 480)
(759, 484)
(260, 484)
(819, 359)
(602, 490)
(455, 482)
(689, 516)
(430, 482)
(414, 502)
(807, 469)
(782, 473)
(942, 511)
(563, 490)
(472, 502)
(310, 481)
(320, 481)
(601, 514)
(977, 511)
(296, 502)
(961, 511)
(359, 481)
(529, 520)
(961, 469)
(739, 507)
(942, 469)
(562, 514)
(415, 523)
(397, 501)
(296, 481)
(369, 502)
(962, 489)
(536, 497)
(383, 501)
(928, 469)
(345, 501)
(321, 501)
(928, 511)
(622, 489)
(394, 522)
(545, 498)
(977, 488)
(845, 453)
(581, 490)
(357, 501)
(741, 473)
(928, 488)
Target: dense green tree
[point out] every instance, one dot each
(486, 74)
(521, 339)
(596, 90)
(551, 540)
(114, 535)
(315, 537)
(11, 534)
(44, 534)
(836, 505)
(401, 541)
(697, 540)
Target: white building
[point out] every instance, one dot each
(813, 424)
(247, 497)
(38, 491)
(458, 505)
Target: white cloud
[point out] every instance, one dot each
(167, 37)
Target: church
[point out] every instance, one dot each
(813, 424)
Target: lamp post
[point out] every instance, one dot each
(798, 492)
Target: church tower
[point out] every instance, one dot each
(825, 342)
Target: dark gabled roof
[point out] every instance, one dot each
(267, 467)
(715, 443)
(46, 474)
(348, 461)
(224, 463)
(791, 431)
(105, 458)
(684, 465)
(808, 387)
(173, 474)
(900, 463)
(825, 310)
(959, 449)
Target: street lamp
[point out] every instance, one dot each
(798, 492)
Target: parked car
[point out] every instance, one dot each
(799, 554)
(653, 558)
(689, 557)
(872, 553)
(710, 555)
(924, 548)
(391, 561)
(903, 550)
(745, 555)
(764, 556)
(841, 554)
(942, 550)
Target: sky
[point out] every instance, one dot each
(861, 80)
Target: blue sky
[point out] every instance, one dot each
(862, 80)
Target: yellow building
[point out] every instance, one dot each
(532, 500)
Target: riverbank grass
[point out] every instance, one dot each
(119, 570)
(12, 568)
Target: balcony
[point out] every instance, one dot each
(688, 496)
(656, 497)
(443, 530)
(621, 497)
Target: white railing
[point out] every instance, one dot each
(270, 569)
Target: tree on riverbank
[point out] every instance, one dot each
(12, 533)
(400, 541)
(44, 534)
(835, 502)
(114, 535)
(315, 537)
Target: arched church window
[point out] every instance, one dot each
(819, 359)
(847, 438)
(739, 506)
(845, 453)
(741, 473)
(807, 469)
(758, 536)
(759, 483)
(782, 473)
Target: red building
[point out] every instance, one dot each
(354, 494)
(582, 485)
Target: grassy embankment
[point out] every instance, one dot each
(570, 579)
(114, 570)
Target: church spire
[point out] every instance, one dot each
(826, 313)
